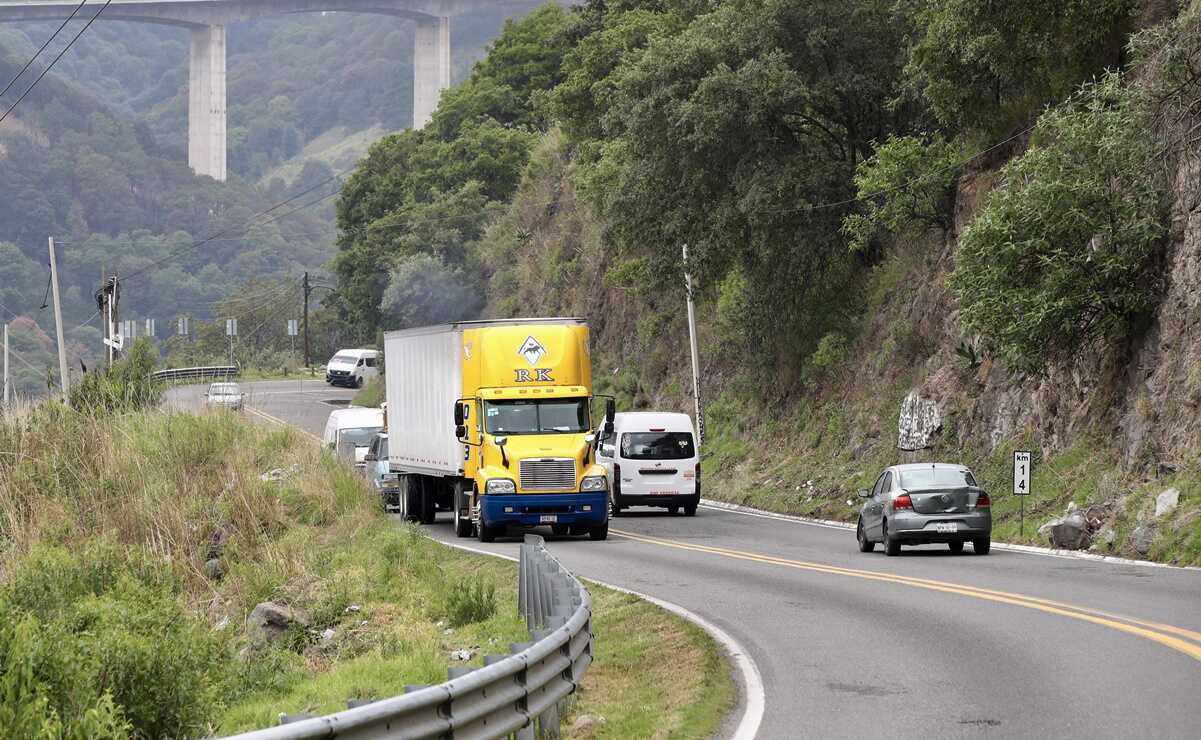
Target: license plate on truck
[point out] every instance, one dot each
(548, 518)
(946, 527)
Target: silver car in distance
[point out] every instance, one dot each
(224, 396)
(921, 503)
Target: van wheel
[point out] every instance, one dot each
(673, 510)
(690, 510)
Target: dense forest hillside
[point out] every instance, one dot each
(920, 230)
(95, 157)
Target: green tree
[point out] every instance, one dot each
(1065, 250)
(992, 65)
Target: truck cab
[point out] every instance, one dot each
(651, 459)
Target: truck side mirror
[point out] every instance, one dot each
(608, 429)
(610, 412)
(460, 431)
(459, 416)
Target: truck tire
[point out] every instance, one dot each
(429, 508)
(599, 532)
(462, 523)
(560, 530)
(486, 533)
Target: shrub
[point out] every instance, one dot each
(126, 386)
(472, 600)
(831, 352)
(908, 181)
(1064, 251)
(109, 642)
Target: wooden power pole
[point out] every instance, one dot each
(64, 381)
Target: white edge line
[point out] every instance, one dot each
(1021, 549)
(752, 682)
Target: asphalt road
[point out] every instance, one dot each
(1012, 645)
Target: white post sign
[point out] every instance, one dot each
(231, 327)
(1021, 473)
(293, 327)
(183, 326)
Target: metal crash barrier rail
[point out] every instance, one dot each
(519, 695)
(179, 374)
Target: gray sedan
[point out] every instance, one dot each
(922, 503)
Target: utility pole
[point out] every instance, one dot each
(58, 324)
(106, 301)
(696, 369)
(6, 391)
(307, 289)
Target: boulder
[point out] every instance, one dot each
(1166, 502)
(270, 622)
(1071, 532)
(1143, 537)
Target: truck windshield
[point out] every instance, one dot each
(657, 446)
(537, 417)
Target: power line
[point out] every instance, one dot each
(38, 53)
(55, 61)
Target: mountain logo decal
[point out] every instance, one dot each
(531, 350)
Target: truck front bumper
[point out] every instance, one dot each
(534, 509)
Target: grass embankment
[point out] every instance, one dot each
(133, 548)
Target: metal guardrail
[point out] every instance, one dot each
(519, 695)
(175, 375)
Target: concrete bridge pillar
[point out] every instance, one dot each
(431, 66)
(206, 103)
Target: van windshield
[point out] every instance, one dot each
(345, 358)
(357, 436)
(550, 416)
(657, 446)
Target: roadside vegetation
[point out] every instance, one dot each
(135, 545)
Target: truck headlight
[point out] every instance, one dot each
(500, 485)
(594, 483)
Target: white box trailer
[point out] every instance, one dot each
(423, 379)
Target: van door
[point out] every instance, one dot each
(658, 463)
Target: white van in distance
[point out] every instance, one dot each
(652, 460)
(350, 432)
(352, 367)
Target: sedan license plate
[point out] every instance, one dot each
(548, 518)
(946, 527)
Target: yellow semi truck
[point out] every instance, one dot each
(492, 420)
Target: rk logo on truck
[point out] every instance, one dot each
(540, 375)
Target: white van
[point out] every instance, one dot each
(352, 367)
(652, 460)
(349, 432)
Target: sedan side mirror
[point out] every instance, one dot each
(864, 494)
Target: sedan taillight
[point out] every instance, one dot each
(983, 501)
(902, 502)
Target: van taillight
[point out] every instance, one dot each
(983, 501)
(698, 472)
(902, 502)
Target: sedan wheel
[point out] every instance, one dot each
(865, 545)
(956, 547)
(891, 547)
(981, 546)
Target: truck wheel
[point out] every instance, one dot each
(486, 534)
(560, 530)
(462, 523)
(599, 532)
(429, 509)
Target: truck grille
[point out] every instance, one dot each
(548, 474)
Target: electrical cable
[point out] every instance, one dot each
(55, 60)
(38, 53)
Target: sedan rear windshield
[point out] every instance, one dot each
(933, 477)
(657, 445)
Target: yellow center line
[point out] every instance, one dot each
(281, 422)
(1148, 630)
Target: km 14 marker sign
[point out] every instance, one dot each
(1021, 484)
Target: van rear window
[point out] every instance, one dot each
(657, 445)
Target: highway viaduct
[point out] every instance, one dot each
(207, 20)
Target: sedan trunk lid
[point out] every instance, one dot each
(944, 499)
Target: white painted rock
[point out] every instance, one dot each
(1166, 502)
(919, 421)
